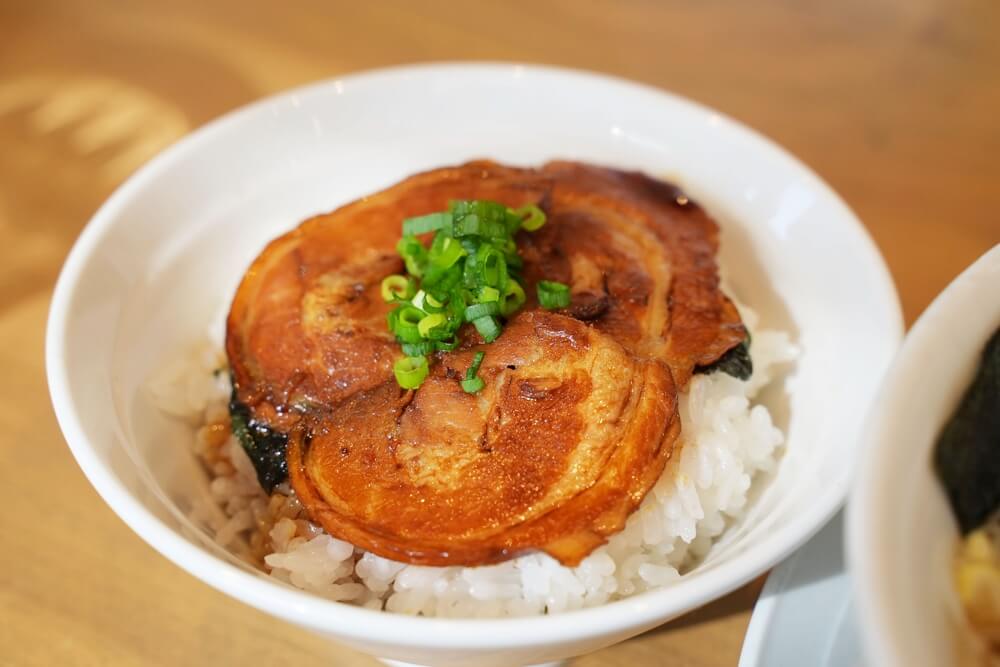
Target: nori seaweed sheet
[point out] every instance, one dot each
(265, 446)
(736, 362)
(967, 453)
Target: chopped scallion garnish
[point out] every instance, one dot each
(420, 349)
(469, 273)
(426, 223)
(410, 316)
(488, 327)
(477, 361)
(410, 371)
(414, 254)
(513, 298)
(396, 288)
(532, 217)
(473, 385)
(552, 295)
(472, 382)
(477, 310)
(488, 294)
(446, 345)
(492, 267)
(429, 323)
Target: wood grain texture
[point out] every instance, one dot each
(895, 103)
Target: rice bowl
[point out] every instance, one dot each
(117, 317)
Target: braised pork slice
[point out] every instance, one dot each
(640, 258)
(578, 415)
(546, 456)
(307, 326)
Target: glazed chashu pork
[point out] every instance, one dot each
(578, 416)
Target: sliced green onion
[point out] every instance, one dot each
(470, 245)
(477, 310)
(456, 307)
(473, 385)
(418, 299)
(513, 223)
(404, 321)
(513, 259)
(472, 382)
(414, 254)
(532, 217)
(507, 246)
(446, 345)
(444, 254)
(410, 315)
(460, 208)
(426, 303)
(451, 251)
(410, 372)
(426, 223)
(473, 225)
(488, 217)
(419, 349)
(440, 282)
(469, 272)
(487, 294)
(487, 327)
(396, 288)
(477, 361)
(430, 322)
(552, 295)
(407, 334)
(513, 298)
(492, 266)
(479, 218)
(430, 304)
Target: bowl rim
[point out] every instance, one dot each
(863, 536)
(645, 609)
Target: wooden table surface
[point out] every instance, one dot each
(896, 103)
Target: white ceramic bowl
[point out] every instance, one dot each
(163, 255)
(901, 532)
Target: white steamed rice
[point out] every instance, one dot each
(727, 441)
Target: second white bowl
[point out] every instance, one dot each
(901, 532)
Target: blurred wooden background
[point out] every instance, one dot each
(896, 103)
